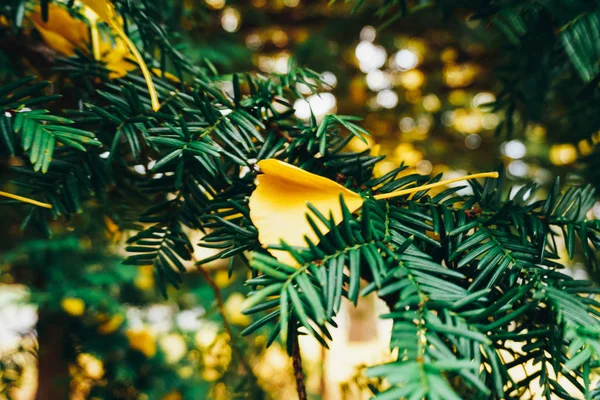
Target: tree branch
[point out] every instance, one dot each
(298, 372)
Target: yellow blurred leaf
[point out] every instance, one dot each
(173, 346)
(233, 310)
(91, 366)
(73, 306)
(111, 325)
(142, 341)
(175, 395)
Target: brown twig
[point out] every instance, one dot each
(298, 372)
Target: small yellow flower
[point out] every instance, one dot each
(142, 341)
(73, 306)
(111, 324)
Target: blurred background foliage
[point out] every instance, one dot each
(453, 87)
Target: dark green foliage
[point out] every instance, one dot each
(494, 282)
(466, 278)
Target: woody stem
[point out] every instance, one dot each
(298, 372)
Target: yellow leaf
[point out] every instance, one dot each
(278, 205)
(175, 395)
(106, 12)
(73, 306)
(91, 366)
(111, 325)
(56, 41)
(103, 8)
(119, 68)
(64, 33)
(233, 310)
(166, 75)
(142, 341)
(62, 24)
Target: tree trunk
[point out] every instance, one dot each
(53, 369)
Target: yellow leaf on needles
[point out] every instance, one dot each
(65, 33)
(62, 31)
(56, 41)
(278, 205)
(106, 12)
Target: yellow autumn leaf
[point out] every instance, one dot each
(73, 306)
(117, 60)
(110, 324)
(65, 33)
(91, 366)
(106, 12)
(56, 41)
(175, 395)
(142, 341)
(62, 31)
(103, 8)
(278, 205)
